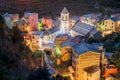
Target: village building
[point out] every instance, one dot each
(32, 20)
(84, 29)
(22, 25)
(10, 19)
(110, 69)
(91, 19)
(64, 26)
(74, 19)
(112, 24)
(86, 61)
(47, 21)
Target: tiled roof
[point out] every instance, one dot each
(80, 30)
(46, 33)
(20, 22)
(84, 25)
(54, 29)
(36, 32)
(64, 11)
(94, 31)
(94, 15)
(84, 47)
(51, 31)
(115, 19)
(68, 43)
(76, 18)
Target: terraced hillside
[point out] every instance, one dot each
(45, 7)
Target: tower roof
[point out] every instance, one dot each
(64, 11)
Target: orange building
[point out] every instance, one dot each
(48, 22)
(110, 69)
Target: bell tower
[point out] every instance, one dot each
(64, 26)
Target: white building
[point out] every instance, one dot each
(10, 19)
(64, 26)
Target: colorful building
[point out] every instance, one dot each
(86, 61)
(47, 22)
(22, 25)
(112, 24)
(32, 20)
(110, 69)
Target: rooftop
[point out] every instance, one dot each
(115, 19)
(84, 47)
(76, 18)
(83, 25)
(36, 32)
(68, 43)
(65, 11)
(94, 31)
(20, 22)
(110, 66)
(54, 29)
(82, 31)
(93, 15)
(9, 15)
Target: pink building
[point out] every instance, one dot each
(32, 20)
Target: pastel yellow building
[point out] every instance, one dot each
(86, 61)
(112, 24)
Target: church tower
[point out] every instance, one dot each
(64, 26)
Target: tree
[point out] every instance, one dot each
(16, 35)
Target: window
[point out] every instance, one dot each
(33, 37)
(90, 75)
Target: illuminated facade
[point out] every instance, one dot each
(91, 19)
(64, 26)
(112, 24)
(32, 20)
(47, 21)
(86, 61)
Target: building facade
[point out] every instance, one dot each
(86, 61)
(32, 20)
(112, 24)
